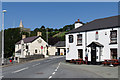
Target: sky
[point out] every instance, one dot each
(55, 14)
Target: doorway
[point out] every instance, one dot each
(58, 51)
(113, 53)
(80, 53)
(93, 55)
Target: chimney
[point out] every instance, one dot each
(39, 33)
(78, 23)
(23, 36)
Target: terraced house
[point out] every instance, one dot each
(98, 40)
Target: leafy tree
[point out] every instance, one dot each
(12, 36)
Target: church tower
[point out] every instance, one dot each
(21, 24)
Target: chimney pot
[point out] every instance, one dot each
(78, 20)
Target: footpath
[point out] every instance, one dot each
(104, 71)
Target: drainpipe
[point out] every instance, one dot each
(85, 43)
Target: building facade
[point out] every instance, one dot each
(30, 46)
(98, 40)
(58, 49)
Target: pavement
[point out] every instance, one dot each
(56, 67)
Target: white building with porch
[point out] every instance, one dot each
(98, 40)
(30, 46)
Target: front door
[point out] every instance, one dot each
(58, 51)
(93, 55)
(80, 53)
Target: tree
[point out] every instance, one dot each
(42, 27)
(12, 36)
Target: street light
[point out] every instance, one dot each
(3, 36)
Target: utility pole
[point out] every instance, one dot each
(47, 35)
(3, 36)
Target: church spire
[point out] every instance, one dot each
(21, 24)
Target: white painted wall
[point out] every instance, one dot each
(35, 45)
(52, 50)
(78, 25)
(73, 48)
(103, 39)
(61, 51)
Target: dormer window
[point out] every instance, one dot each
(113, 37)
(70, 38)
(79, 39)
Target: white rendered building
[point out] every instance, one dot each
(98, 40)
(30, 46)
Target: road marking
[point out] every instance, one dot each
(35, 65)
(50, 77)
(20, 70)
(48, 61)
(53, 73)
(59, 63)
(56, 69)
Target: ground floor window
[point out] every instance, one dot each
(36, 51)
(113, 53)
(80, 53)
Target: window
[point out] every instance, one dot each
(70, 38)
(36, 51)
(79, 39)
(26, 46)
(113, 36)
(113, 53)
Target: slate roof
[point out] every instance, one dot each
(60, 44)
(97, 44)
(103, 23)
(28, 39)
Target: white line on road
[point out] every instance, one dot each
(20, 70)
(48, 61)
(35, 65)
(50, 77)
(54, 71)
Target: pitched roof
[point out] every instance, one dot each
(97, 24)
(97, 44)
(19, 51)
(28, 39)
(60, 44)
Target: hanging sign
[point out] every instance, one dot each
(41, 47)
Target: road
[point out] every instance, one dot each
(50, 68)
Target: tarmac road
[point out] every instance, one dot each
(50, 68)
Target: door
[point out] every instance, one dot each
(113, 53)
(93, 55)
(58, 51)
(80, 53)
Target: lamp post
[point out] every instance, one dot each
(3, 36)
